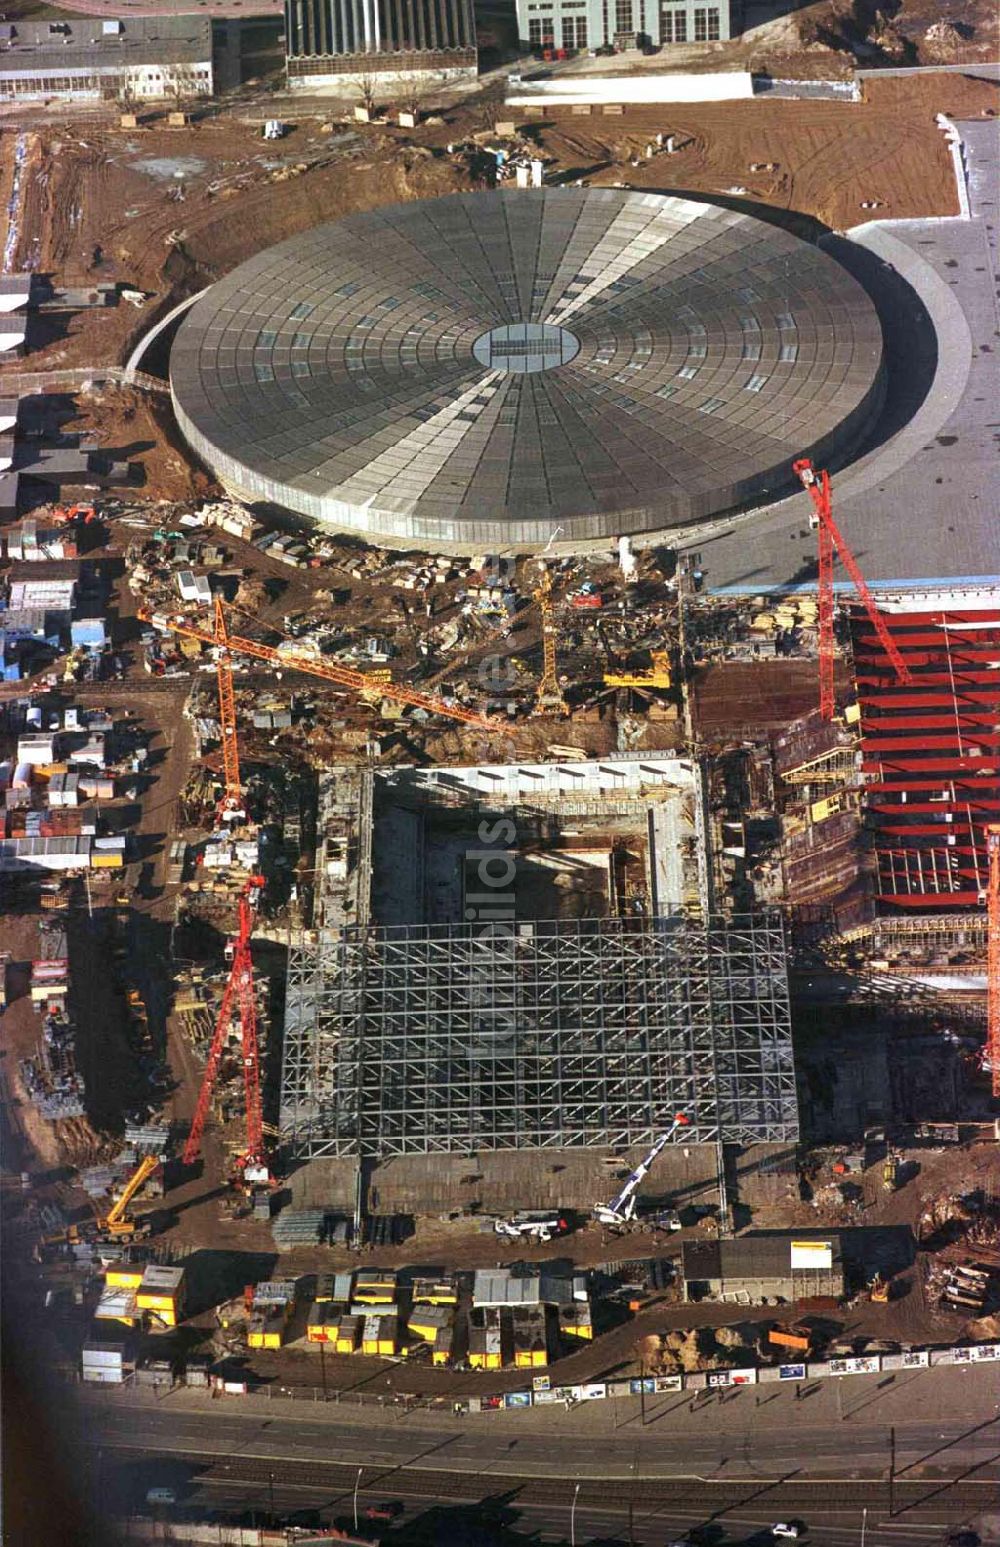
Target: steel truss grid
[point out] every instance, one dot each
(553, 1034)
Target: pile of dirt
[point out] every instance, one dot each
(897, 31)
(697, 1348)
(824, 160)
(943, 41)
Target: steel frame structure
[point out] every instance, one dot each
(931, 754)
(548, 1035)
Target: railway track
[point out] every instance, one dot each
(908, 1496)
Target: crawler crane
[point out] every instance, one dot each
(239, 991)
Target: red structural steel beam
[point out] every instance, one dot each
(931, 754)
(993, 957)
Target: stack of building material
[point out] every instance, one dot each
(299, 1227)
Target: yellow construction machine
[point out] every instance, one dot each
(117, 1224)
(657, 675)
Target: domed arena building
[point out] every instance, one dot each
(497, 370)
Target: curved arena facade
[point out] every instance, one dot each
(491, 370)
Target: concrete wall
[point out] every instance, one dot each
(568, 90)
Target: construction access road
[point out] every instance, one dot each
(729, 1462)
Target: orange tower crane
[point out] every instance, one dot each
(993, 957)
(817, 486)
(291, 660)
(239, 991)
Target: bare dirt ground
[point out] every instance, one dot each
(829, 156)
(139, 427)
(171, 210)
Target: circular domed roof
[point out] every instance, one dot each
(476, 371)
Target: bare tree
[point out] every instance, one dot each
(366, 84)
(491, 106)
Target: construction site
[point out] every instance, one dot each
(500, 735)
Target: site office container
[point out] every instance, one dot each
(127, 1275)
(375, 1288)
(429, 1321)
(576, 1321)
(348, 1335)
(431, 1291)
(380, 1335)
(269, 1330)
(323, 1320)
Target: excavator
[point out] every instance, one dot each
(117, 1224)
(621, 1210)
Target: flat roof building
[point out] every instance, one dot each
(749, 1269)
(341, 44)
(572, 26)
(85, 58)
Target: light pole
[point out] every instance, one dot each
(357, 1485)
(864, 1524)
(572, 1517)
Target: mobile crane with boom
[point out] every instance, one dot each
(621, 1210)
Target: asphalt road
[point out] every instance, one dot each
(496, 1447)
(630, 1516)
(739, 1478)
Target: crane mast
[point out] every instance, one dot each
(817, 486)
(621, 1209)
(239, 992)
(550, 696)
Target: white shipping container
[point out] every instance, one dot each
(96, 1375)
(107, 1355)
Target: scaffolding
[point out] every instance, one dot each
(554, 1034)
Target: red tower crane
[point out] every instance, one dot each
(239, 991)
(993, 958)
(817, 486)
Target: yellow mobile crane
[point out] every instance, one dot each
(116, 1223)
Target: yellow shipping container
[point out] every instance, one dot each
(126, 1276)
(109, 861)
(480, 1360)
(530, 1359)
